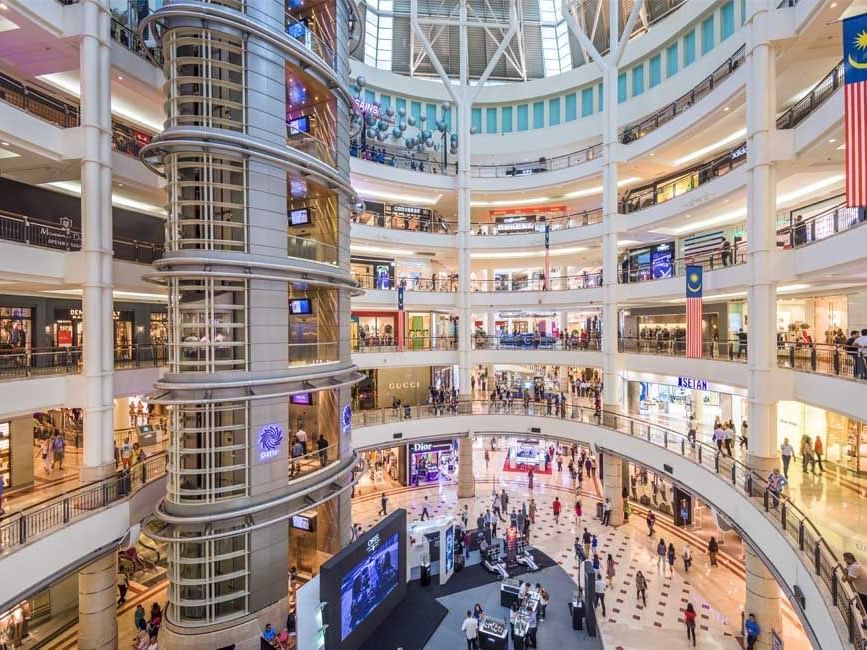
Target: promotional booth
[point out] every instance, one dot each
(432, 549)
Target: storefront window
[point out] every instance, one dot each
(5, 454)
(159, 330)
(379, 330)
(428, 462)
(16, 327)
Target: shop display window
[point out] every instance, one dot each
(5, 453)
(16, 327)
(159, 328)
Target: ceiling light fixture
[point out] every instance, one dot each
(520, 254)
(812, 188)
(395, 196)
(361, 248)
(698, 153)
(4, 143)
(832, 140)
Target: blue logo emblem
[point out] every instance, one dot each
(347, 418)
(270, 440)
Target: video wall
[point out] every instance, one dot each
(364, 582)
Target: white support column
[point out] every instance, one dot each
(96, 216)
(97, 604)
(762, 593)
(612, 486)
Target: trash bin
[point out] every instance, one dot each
(425, 575)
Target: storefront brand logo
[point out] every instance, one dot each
(397, 385)
(373, 544)
(689, 382)
(269, 441)
(422, 446)
(366, 107)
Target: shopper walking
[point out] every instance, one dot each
(532, 624)
(606, 512)
(786, 452)
(58, 446)
(752, 631)
(544, 599)
(531, 511)
(687, 558)
(818, 451)
(651, 522)
(712, 550)
(578, 512)
(586, 538)
(470, 628)
(661, 550)
(556, 508)
(487, 459)
(424, 511)
(139, 618)
(530, 479)
(122, 586)
(383, 503)
(689, 616)
(600, 593)
(609, 569)
(641, 588)
(671, 558)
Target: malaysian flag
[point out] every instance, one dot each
(855, 100)
(693, 311)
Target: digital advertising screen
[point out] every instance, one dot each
(662, 258)
(299, 217)
(300, 307)
(450, 549)
(304, 399)
(364, 582)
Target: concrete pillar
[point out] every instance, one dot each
(610, 358)
(761, 222)
(762, 599)
(97, 604)
(96, 217)
(466, 476)
(612, 486)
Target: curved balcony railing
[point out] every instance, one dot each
(791, 522)
(649, 124)
(531, 341)
(306, 248)
(392, 158)
(429, 285)
(129, 38)
(670, 187)
(16, 363)
(835, 218)
(66, 115)
(33, 232)
(557, 283)
(20, 528)
(314, 354)
(633, 273)
(311, 461)
(408, 344)
(564, 222)
(313, 146)
(839, 360)
(673, 344)
(539, 166)
(815, 98)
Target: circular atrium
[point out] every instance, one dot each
(566, 345)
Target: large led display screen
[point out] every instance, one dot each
(364, 582)
(366, 585)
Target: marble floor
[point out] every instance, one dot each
(717, 593)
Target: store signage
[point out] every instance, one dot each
(689, 382)
(373, 544)
(366, 107)
(398, 385)
(739, 152)
(346, 418)
(269, 441)
(78, 314)
(405, 209)
(425, 447)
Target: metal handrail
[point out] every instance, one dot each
(35, 362)
(531, 341)
(793, 523)
(823, 358)
(22, 527)
(539, 166)
(44, 234)
(834, 219)
(410, 343)
(381, 155)
(429, 285)
(666, 188)
(130, 39)
(676, 346)
(563, 283)
(564, 222)
(637, 273)
(815, 98)
(649, 124)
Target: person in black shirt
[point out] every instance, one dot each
(322, 445)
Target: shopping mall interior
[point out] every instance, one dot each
(567, 345)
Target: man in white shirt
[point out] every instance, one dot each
(599, 588)
(856, 575)
(301, 436)
(786, 452)
(470, 627)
